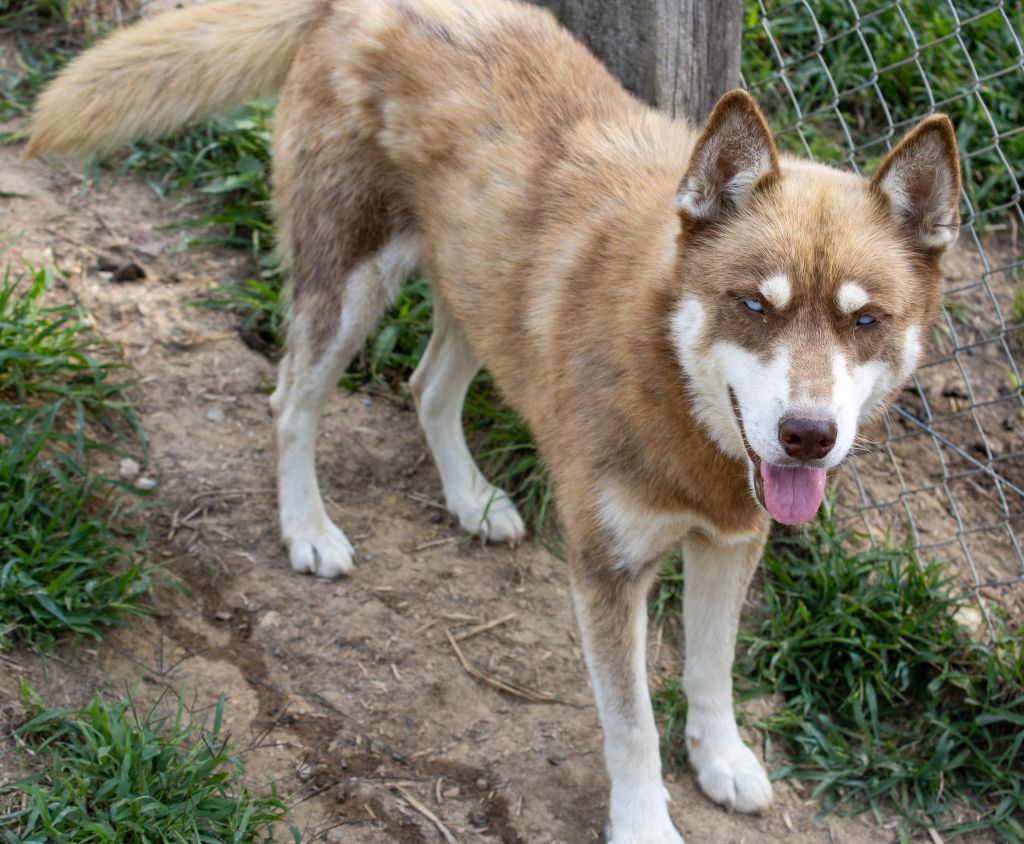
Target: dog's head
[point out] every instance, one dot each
(807, 292)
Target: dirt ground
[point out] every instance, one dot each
(349, 692)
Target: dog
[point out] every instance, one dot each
(693, 325)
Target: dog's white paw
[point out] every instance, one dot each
(640, 816)
(646, 835)
(490, 514)
(649, 830)
(732, 776)
(325, 552)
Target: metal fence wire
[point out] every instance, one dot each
(842, 81)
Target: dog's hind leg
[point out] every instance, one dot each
(439, 386)
(328, 327)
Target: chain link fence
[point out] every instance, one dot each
(842, 81)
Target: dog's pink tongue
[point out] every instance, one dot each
(791, 494)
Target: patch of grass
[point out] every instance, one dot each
(31, 15)
(892, 62)
(69, 559)
(31, 68)
(228, 160)
(888, 700)
(112, 774)
(509, 457)
(397, 343)
(668, 597)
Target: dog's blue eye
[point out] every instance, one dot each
(866, 320)
(753, 305)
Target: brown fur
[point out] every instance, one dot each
(544, 196)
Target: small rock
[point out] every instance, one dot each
(222, 616)
(368, 402)
(148, 482)
(449, 793)
(270, 619)
(481, 783)
(278, 652)
(215, 414)
(971, 618)
(129, 468)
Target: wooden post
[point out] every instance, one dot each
(678, 55)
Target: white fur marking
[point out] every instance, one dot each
(702, 194)
(911, 352)
(777, 290)
(761, 389)
(638, 810)
(439, 384)
(852, 297)
(727, 769)
(639, 535)
(315, 543)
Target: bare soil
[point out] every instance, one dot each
(348, 693)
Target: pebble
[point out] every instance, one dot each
(215, 414)
(269, 619)
(129, 468)
(148, 482)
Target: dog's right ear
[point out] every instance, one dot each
(734, 154)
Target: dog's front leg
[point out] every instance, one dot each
(611, 606)
(717, 575)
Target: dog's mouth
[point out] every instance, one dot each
(790, 494)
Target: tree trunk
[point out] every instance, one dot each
(678, 55)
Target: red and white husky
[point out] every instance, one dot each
(693, 325)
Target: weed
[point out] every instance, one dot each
(855, 69)
(395, 346)
(668, 597)
(49, 354)
(111, 774)
(69, 560)
(32, 67)
(226, 159)
(888, 701)
(30, 15)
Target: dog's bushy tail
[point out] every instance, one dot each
(156, 76)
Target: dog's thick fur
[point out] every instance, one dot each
(692, 325)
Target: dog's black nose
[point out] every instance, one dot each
(807, 439)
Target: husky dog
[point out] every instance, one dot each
(693, 325)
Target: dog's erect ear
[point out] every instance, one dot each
(734, 153)
(921, 181)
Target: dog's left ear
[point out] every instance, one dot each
(734, 154)
(921, 181)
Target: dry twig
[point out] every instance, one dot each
(483, 628)
(430, 816)
(500, 685)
